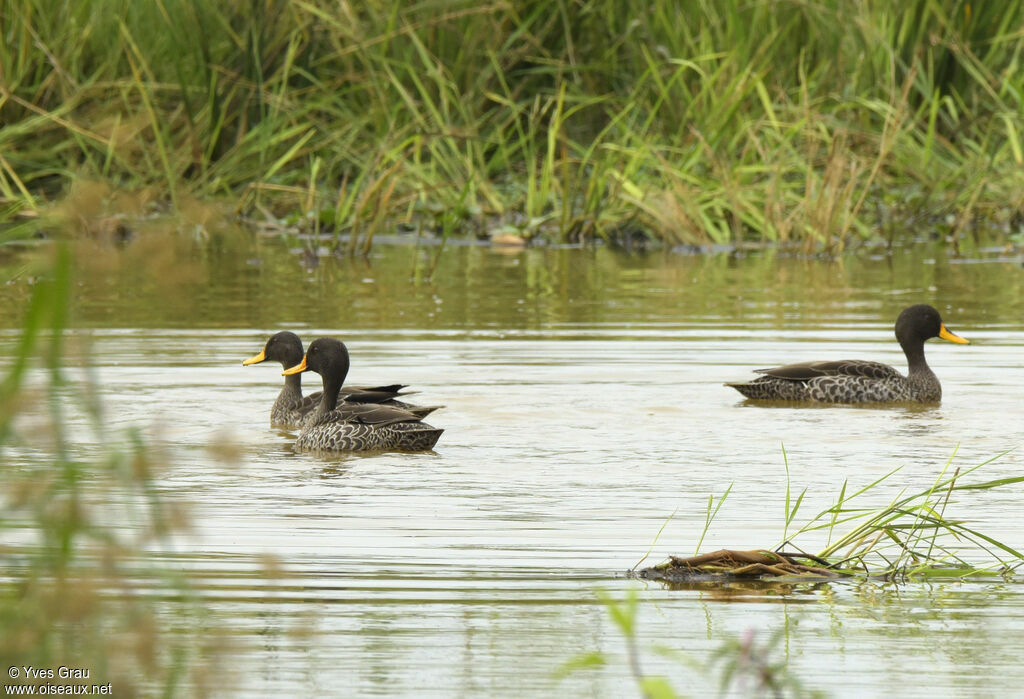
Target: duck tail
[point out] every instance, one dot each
(421, 411)
(417, 436)
(744, 388)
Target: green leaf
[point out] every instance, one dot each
(657, 688)
(584, 661)
(622, 613)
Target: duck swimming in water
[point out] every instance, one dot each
(861, 381)
(354, 426)
(291, 407)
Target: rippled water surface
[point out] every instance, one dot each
(584, 406)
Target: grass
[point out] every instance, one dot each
(909, 538)
(815, 125)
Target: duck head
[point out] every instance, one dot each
(327, 357)
(284, 347)
(916, 324)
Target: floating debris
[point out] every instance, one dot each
(508, 240)
(727, 564)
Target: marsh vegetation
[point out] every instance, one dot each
(822, 125)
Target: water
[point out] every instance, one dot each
(585, 406)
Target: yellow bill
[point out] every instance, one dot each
(261, 357)
(297, 369)
(946, 335)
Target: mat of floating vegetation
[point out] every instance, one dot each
(726, 565)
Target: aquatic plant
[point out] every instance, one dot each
(75, 529)
(911, 537)
(745, 664)
(908, 538)
(820, 125)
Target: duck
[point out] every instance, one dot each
(291, 407)
(354, 427)
(858, 380)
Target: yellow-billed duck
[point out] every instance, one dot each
(857, 380)
(291, 407)
(354, 426)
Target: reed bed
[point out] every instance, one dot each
(818, 125)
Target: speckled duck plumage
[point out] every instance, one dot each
(860, 381)
(354, 426)
(291, 408)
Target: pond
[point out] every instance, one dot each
(584, 408)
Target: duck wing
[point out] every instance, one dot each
(393, 388)
(307, 403)
(371, 414)
(371, 394)
(804, 371)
